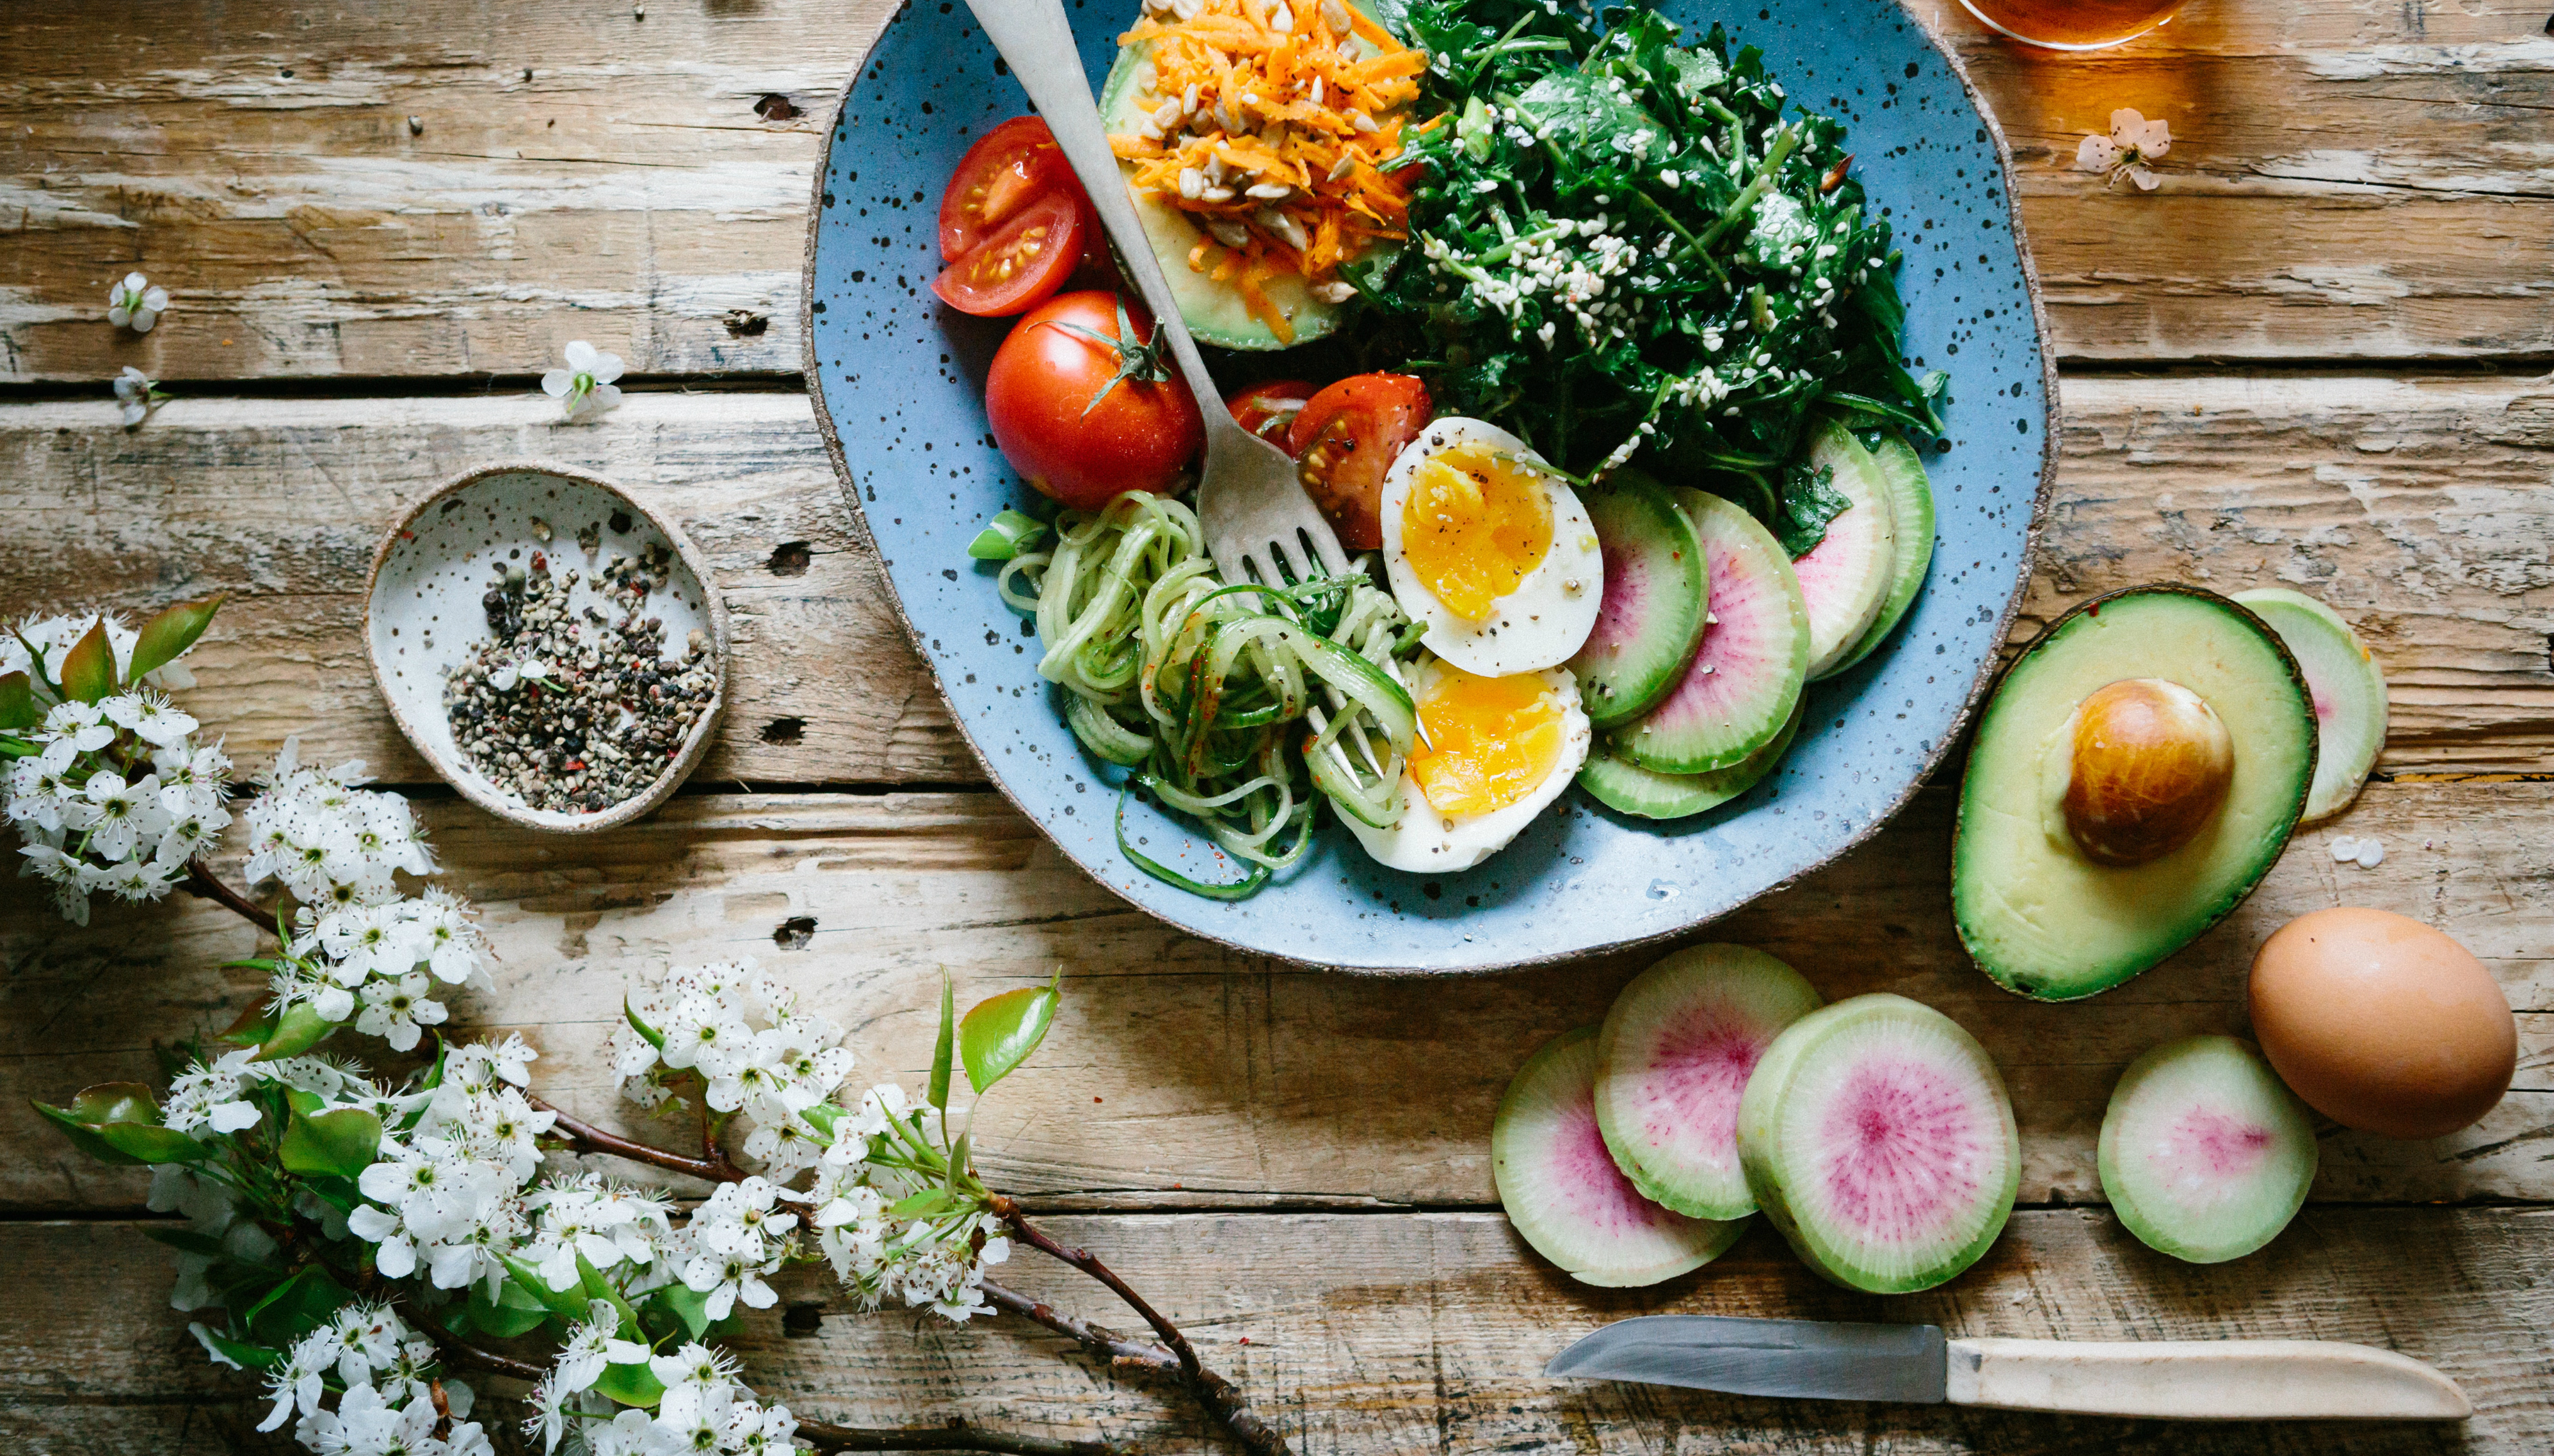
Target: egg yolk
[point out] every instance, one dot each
(1487, 741)
(1472, 525)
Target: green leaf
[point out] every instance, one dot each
(928, 1203)
(184, 1241)
(515, 1312)
(118, 1123)
(17, 706)
(115, 1103)
(631, 1384)
(999, 1034)
(342, 1143)
(568, 1304)
(296, 1307)
(655, 1037)
(166, 637)
(959, 1153)
(148, 1141)
(88, 670)
(239, 1352)
(1009, 535)
(599, 1288)
(300, 1029)
(948, 1034)
(688, 1304)
(820, 1117)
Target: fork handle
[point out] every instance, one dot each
(1036, 37)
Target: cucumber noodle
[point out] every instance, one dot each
(1212, 695)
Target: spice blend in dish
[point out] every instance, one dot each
(576, 709)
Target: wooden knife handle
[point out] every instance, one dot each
(2202, 1380)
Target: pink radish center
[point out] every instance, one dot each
(2210, 1143)
(1593, 1188)
(1618, 616)
(1698, 1075)
(1901, 1138)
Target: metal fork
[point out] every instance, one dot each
(1259, 523)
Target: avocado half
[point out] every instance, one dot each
(1213, 311)
(2035, 913)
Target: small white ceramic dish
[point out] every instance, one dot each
(424, 610)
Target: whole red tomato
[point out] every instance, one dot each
(1085, 407)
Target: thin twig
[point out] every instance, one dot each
(956, 1435)
(1220, 1396)
(203, 886)
(1121, 1351)
(462, 1351)
(596, 1139)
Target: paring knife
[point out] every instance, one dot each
(2166, 1379)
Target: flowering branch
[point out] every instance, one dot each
(354, 1238)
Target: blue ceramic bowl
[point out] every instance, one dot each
(897, 378)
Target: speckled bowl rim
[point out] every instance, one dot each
(1988, 669)
(505, 807)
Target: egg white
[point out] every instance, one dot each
(1425, 842)
(1540, 623)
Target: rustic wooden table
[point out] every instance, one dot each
(2310, 358)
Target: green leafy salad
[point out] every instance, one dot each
(1623, 246)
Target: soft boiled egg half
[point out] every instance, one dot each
(1492, 754)
(1490, 552)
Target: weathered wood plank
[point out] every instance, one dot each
(2422, 509)
(1406, 1332)
(1180, 1070)
(2356, 179)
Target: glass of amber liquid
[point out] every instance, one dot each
(2073, 25)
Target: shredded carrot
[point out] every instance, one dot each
(1281, 100)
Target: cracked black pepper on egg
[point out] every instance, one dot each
(575, 709)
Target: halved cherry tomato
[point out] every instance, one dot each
(1021, 265)
(1266, 411)
(1343, 440)
(1015, 163)
(1085, 417)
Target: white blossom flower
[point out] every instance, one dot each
(136, 395)
(150, 717)
(2133, 143)
(135, 303)
(594, 1344)
(327, 841)
(585, 385)
(394, 1009)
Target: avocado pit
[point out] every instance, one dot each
(2150, 763)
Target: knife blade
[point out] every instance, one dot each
(1916, 1364)
(1817, 1359)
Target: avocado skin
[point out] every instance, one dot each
(2167, 924)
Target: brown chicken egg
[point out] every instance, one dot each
(2381, 1023)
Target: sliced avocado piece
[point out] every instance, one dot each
(2038, 913)
(1215, 312)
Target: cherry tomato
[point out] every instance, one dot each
(1022, 264)
(1346, 437)
(1083, 419)
(1015, 165)
(1267, 409)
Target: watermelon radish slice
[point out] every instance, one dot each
(1650, 619)
(1877, 1136)
(1672, 1061)
(1627, 788)
(2206, 1154)
(1910, 501)
(2348, 693)
(1562, 1192)
(1740, 686)
(1846, 577)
